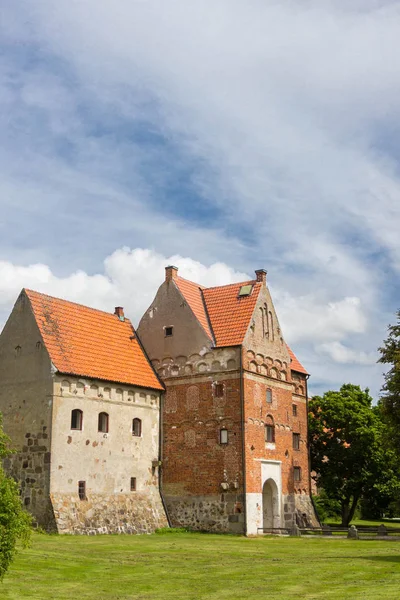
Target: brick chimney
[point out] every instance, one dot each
(170, 273)
(261, 275)
(119, 311)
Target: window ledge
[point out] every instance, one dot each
(270, 446)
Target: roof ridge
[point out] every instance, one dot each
(202, 287)
(27, 290)
(232, 284)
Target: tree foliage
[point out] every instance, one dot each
(390, 400)
(15, 523)
(347, 448)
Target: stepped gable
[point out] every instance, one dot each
(295, 364)
(229, 313)
(192, 292)
(91, 343)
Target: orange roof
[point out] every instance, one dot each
(295, 365)
(91, 343)
(230, 315)
(192, 293)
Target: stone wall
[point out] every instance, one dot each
(26, 386)
(105, 460)
(115, 513)
(207, 513)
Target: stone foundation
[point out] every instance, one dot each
(222, 513)
(299, 510)
(305, 513)
(102, 513)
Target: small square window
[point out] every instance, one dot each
(137, 427)
(223, 436)
(82, 490)
(296, 441)
(133, 484)
(269, 396)
(218, 390)
(294, 410)
(245, 290)
(168, 331)
(297, 473)
(270, 434)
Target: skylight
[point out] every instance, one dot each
(245, 290)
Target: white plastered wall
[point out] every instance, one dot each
(270, 469)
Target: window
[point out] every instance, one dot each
(245, 290)
(269, 396)
(137, 427)
(133, 484)
(103, 422)
(296, 441)
(294, 410)
(82, 490)
(76, 419)
(297, 473)
(168, 331)
(223, 436)
(270, 434)
(219, 390)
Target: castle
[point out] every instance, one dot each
(199, 418)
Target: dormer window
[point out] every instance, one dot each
(245, 290)
(169, 331)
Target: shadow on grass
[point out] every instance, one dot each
(394, 559)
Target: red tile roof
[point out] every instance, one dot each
(229, 314)
(192, 292)
(295, 365)
(91, 343)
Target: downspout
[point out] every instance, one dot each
(309, 457)
(160, 425)
(242, 414)
(160, 456)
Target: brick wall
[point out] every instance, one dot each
(197, 468)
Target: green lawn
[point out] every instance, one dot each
(196, 566)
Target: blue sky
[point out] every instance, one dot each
(223, 136)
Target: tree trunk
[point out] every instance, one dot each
(348, 509)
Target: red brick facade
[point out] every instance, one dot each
(254, 473)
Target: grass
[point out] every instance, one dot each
(389, 523)
(203, 566)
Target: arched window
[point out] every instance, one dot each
(223, 436)
(76, 419)
(269, 396)
(103, 422)
(137, 427)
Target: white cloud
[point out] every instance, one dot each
(341, 354)
(131, 279)
(285, 114)
(308, 319)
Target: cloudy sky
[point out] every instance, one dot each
(220, 135)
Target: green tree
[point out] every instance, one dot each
(390, 400)
(347, 448)
(15, 523)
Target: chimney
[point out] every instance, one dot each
(119, 311)
(170, 273)
(261, 275)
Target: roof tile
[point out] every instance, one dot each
(295, 364)
(91, 343)
(230, 314)
(192, 292)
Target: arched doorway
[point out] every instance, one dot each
(270, 497)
